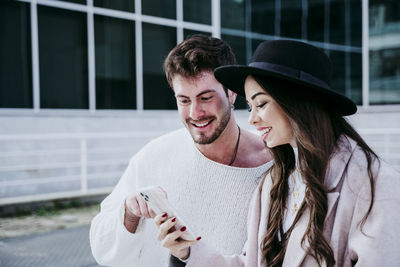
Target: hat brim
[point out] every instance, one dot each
(234, 76)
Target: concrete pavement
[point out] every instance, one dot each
(59, 248)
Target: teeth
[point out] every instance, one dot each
(201, 125)
(266, 130)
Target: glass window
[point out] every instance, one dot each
(63, 58)
(197, 11)
(356, 78)
(356, 22)
(384, 52)
(385, 76)
(316, 20)
(157, 43)
(115, 63)
(238, 45)
(337, 22)
(83, 2)
(187, 33)
(291, 14)
(15, 54)
(338, 82)
(159, 8)
(263, 16)
(123, 5)
(233, 14)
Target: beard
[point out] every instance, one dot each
(202, 138)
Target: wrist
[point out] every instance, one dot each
(186, 257)
(131, 221)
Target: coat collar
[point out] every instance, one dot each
(295, 252)
(338, 160)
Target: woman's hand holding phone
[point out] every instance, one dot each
(171, 238)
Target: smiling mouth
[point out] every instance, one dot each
(265, 131)
(203, 124)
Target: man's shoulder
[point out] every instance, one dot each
(166, 143)
(170, 138)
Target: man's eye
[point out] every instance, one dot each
(206, 98)
(184, 101)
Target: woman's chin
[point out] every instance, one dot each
(269, 144)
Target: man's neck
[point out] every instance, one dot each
(222, 150)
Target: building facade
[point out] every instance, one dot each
(95, 66)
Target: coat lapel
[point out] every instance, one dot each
(265, 205)
(339, 158)
(256, 224)
(295, 252)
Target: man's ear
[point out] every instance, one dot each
(232, 97)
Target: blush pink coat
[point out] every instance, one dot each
(348, 202)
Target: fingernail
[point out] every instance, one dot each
(164, 215)
(174, 219)
(183, 229)
(198, 238)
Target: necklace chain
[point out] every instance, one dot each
(236, 148)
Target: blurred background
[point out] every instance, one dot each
(82, 87)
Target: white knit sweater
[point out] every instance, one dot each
(211, 198)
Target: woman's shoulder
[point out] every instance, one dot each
(386, 178)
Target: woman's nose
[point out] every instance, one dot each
(253, 118)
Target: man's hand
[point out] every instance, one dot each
(136, 208)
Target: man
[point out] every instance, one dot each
(209, 170)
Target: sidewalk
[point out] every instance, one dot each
(59, 248)
(54, 240)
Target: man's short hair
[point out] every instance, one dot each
(196, 54)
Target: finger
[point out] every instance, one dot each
(152, 213)
(173, 238)
(144, 209)
(160, 218)
(166, 227)
(133, 206)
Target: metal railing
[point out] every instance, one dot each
(34, 168)
(74, 155)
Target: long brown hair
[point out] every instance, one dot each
(316, 130)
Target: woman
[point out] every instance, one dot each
(328, 200)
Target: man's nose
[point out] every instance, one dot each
(196, 111)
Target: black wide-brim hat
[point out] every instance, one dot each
(295, 62)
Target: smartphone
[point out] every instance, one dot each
(158, 202)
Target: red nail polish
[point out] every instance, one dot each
(164, 215)
(198, 238)
(174, 219)
(183, 229)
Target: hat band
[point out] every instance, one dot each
(290, 72)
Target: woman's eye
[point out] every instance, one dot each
(261, 105)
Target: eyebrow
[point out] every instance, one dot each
(257, 94)
(201, 93)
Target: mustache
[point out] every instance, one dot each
(190, 120)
